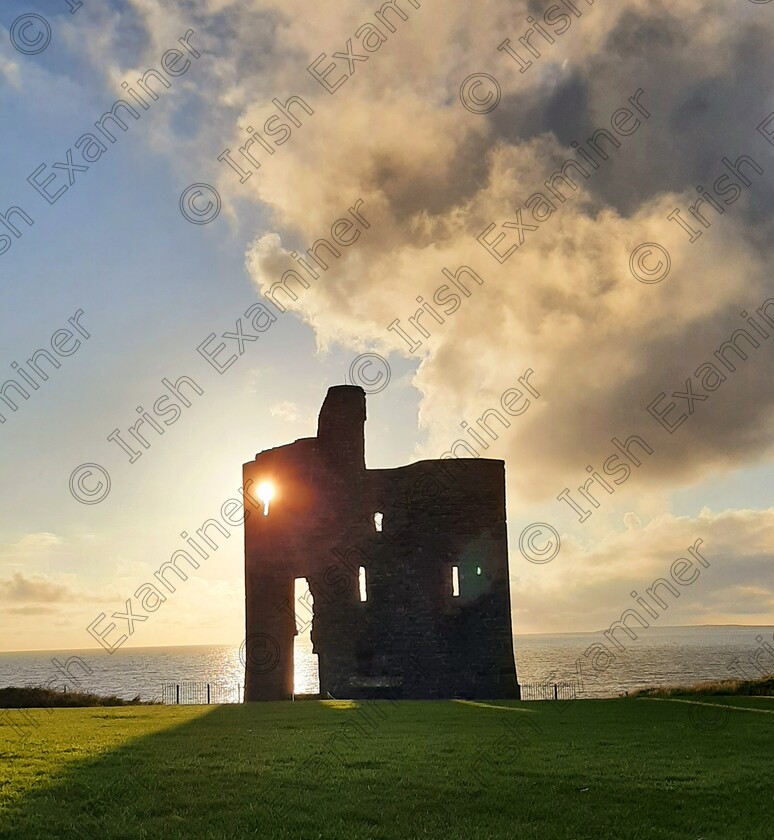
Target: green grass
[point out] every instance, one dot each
(628, 769)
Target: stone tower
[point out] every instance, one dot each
(428, 540)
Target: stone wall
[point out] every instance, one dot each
(411, 637)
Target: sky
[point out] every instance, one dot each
(440, 127)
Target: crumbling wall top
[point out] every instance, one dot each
(340, 427)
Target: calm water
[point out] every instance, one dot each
(659, 657)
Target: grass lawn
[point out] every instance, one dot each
(623, 769)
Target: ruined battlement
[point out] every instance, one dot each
(429, 539)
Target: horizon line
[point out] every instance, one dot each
(514, 635)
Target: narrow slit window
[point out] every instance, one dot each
(378, 518)
(265, 495)
(456, 581)
(362, 584)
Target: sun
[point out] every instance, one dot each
(265, 494)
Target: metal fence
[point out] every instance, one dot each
(549, 691)
(198, 693)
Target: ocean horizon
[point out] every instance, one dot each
(658, 656)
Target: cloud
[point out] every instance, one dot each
(30, 610)
(40, 541)
(39, 548)
(34, 589)
(9, 70)
(432, 177)
(285, 410)
(591, 586)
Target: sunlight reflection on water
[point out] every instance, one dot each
(660, 657)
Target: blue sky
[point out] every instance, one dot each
(153, 286)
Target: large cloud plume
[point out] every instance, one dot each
(432, 176)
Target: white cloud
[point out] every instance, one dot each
(590, 586)
(9, 70)
(285, 410)
(432, 176)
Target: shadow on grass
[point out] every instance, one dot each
(266, 770)
(275, 771)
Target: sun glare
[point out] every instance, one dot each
(265, 494)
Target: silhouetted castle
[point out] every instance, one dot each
(426, 545)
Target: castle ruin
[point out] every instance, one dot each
(408, 568)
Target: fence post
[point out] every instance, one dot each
(556, 692)
(191, 692)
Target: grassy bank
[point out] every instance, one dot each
(338, 770)
(43, 698)
(763, 687)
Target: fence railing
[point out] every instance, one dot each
(549, 691)
(199, 693)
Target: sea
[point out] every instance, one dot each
(659, 656)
